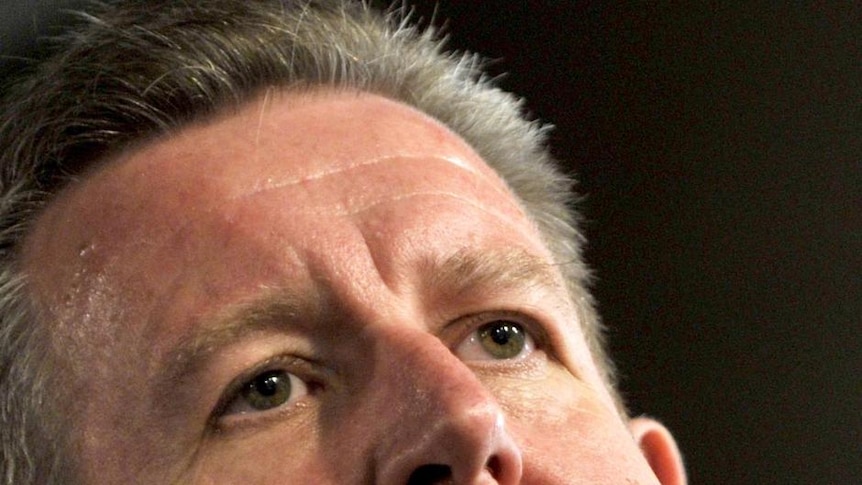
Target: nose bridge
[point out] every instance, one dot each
(443, 423)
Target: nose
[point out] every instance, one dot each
(442, 424)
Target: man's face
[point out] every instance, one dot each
(320, 288)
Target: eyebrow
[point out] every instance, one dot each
(279, 310)
(466, 272)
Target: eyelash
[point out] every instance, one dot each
(303, 369)
(310, 374)
(531, 326)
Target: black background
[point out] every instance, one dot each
(719, 147)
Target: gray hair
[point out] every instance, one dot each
(135, 73)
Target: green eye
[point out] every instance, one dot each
(270, 387)
(267, 390)
(502, 339)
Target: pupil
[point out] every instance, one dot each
(267, 390)
(267, 385)
(502, 339)
(501, 334)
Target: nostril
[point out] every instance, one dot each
(431, 475)
(494, 467)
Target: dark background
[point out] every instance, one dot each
(720, 152)
(719, 148)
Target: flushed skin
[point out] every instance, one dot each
(357, 245)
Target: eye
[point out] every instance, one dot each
(265, 390)
(497, 340)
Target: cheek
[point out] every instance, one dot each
(263, 468)
(567, 430)
(262, 457)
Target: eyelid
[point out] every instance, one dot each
(531, 325)
(305, 370)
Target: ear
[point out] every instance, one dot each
(660, 450)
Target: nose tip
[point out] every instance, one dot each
(449, 430)
(471, 449)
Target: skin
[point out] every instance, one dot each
(354, 243)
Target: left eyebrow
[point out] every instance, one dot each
(466, 272)
(469, 272)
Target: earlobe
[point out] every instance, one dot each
(660, 450)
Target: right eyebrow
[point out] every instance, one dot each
(283, 310)
(279, 310)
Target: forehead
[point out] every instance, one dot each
(315, 145)
(281, 140)
(289, 181)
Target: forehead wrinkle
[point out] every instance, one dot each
(456, 196)
(269, 185)
(184, 227)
